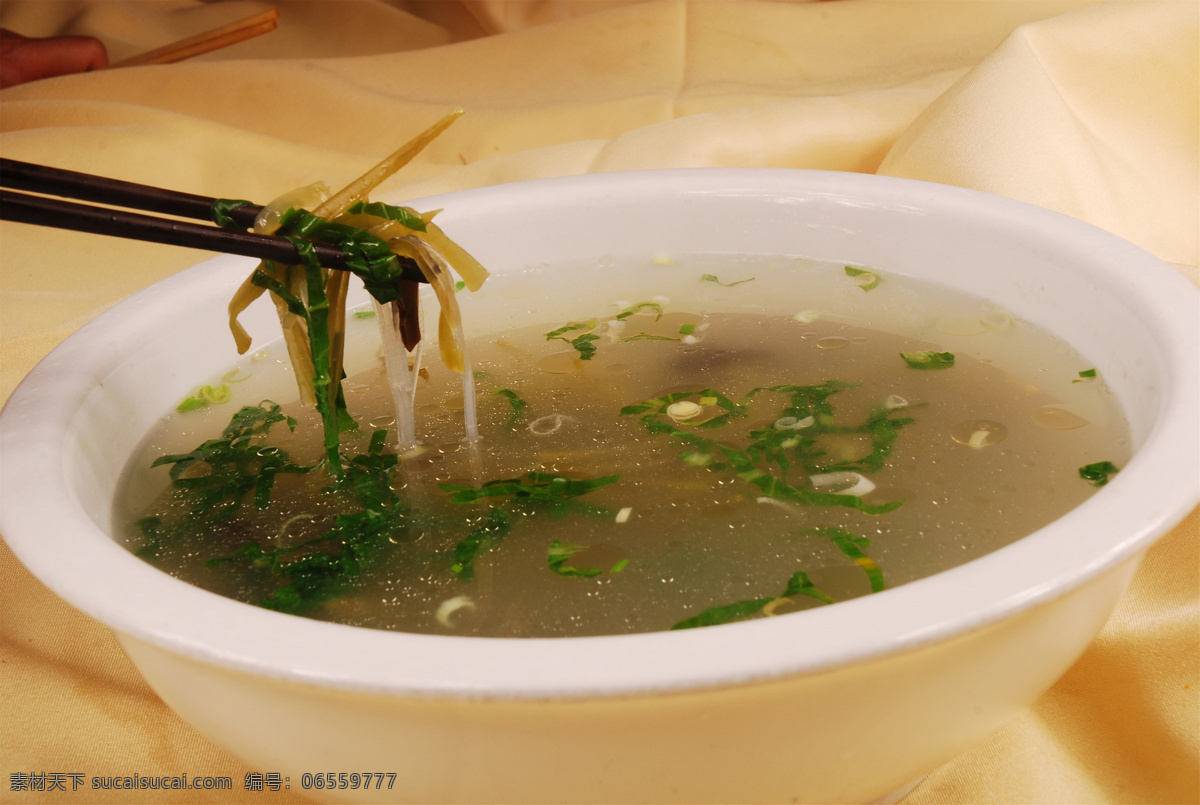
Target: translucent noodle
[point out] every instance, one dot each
(402, 379)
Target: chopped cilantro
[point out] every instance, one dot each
(1098, 474)
(929, 359)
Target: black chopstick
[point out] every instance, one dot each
(86, 187)
(61, 214)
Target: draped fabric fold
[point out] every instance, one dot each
(1090, 109)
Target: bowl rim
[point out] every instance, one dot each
(73, 557)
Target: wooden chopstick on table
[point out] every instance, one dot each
(61, 214)
(217, 38)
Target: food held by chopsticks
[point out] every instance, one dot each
(391, 248)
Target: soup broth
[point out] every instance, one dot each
(655, 462)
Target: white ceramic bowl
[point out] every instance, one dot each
(843, 703)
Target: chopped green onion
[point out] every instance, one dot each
(533, 485)
(687, 329)
(364, 314)
(497, 525)
(401, 215)
(929, 359)
(583, 344)
(713, 279)
(560, 552)
(1098, 474)
(518, 405)
(568, 327)
(1086, 373)
(867, 280)
(650, 337)
(798, 584)
(852, 546)
(191, 404)
(450, 606)
(205, 396)
(640, 306)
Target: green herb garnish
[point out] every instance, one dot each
(518, 405)
(928, 359)
(640, 306)
(767, 460)
(852, 545)
(221, 209)
(402, 215)
(213, 481)
(327, 565)
(496, 526)
(204, 397)
(798, 584)
(1085, 374)
(584, 346)
(532, 485)
(560, 552)
(867, 280)
(650, 337)
(1098, 474)
(569, 327)
(582, 343)
(315, 313)
(713, 279)
(533, 488)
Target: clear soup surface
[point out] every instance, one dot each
(733, 438)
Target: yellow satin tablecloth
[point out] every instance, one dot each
(1090, 109)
